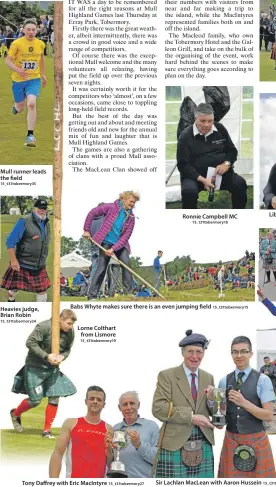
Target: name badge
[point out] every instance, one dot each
(218, 141)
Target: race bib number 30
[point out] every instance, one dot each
(29, 65)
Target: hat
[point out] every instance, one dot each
(194, 339)
(41, 204)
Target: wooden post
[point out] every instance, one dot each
(57, 169)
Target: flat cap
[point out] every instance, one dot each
(194, 339)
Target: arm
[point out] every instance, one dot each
(124, 238)
(34, 340)
(270, 306)
(98, 211)
(184, 157)
(66, 352)
(270, 188)
(162, 407)
(61, 445)
(231, 152)
(147, 451)
(108, 444)
(16, 234)
(265, 413)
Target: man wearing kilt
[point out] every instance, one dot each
(41, 376)
(268, 254)
(246, 450)
(28, 247)
(180, 402)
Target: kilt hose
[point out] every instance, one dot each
(170, 464)
(35, 281)
(273, 52)
(269, 267)
(259, 441)
(41, 383)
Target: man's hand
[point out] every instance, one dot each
(134, 438)
(86, 235)
(207, 183)
(200, 420)
(109, 252)
(22, 73)
(15, 265)
(44, 80)
(222, 168)
(108, 441)
(273, 202)
(260, 293)
(209, 391)
(52, 359)
(237, 398)
(59, 359)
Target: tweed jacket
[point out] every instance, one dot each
(173, 386)
(265, 244)
(110, 211)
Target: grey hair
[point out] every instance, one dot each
(204, 109)
(129, 393)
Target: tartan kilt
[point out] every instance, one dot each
(259, 441)
(41, 383)
(35, 281)
(170, 464)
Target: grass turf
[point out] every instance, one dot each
(29, 442)
(13, 128)
(199, 294)
(267, 72)
(7, 223)
(222, 200)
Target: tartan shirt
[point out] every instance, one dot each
(39, 344)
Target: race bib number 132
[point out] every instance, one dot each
(29, 65)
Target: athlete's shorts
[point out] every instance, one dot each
(21, 89)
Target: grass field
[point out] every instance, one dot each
(13, 128)
(7, 223)
(29, 442)
(267, 71)
(201, 294)
(222, 200)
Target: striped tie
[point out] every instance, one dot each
(193, 388)
(239, 378)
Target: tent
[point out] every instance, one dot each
(72, 263)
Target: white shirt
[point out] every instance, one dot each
(196, 131)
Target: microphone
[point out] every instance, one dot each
(212, 190)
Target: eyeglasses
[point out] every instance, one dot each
(198, 353)
(242, 353)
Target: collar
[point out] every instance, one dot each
(196, 131)
(37, 218)
(122, 207)
(246, 371)
(189, 372)
(138, 421)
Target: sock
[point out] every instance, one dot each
(41, 298)
(22, 408)
(50, 414)
(30, 132)
(11, 295)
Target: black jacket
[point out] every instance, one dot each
(196, 153)
(270, 188)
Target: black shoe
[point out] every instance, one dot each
(266, 282)
(11, 300)
(16, 421)
(47, 434)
